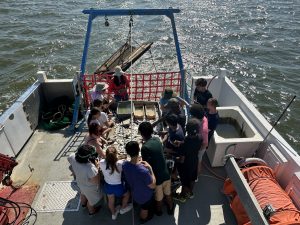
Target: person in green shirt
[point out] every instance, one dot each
(152, 152)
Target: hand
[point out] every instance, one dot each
(147, 165)
(177, 143)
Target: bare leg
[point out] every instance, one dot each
(169, 201)
(83, 200)
(91, 208)
(199, 167)
(111, 204)
(158, 207)
(144, 214)
(125, 199)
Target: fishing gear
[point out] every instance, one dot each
(274, 125)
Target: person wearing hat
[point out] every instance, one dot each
(85, 167)
(98, 91)
(119, 85)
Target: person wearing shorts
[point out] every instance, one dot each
(189, 160)
(111, 168)
(152, 152)
(140, 179)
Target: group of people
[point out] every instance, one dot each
(146, 177)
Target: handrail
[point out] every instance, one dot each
(129, 12)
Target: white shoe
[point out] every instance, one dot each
(114, 216)
(196, 180)
(126, 209)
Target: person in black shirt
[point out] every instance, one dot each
(212, 116)
(201, 94)
(188, 169)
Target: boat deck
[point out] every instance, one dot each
(47, 153)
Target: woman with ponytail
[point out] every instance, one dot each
(111, 168)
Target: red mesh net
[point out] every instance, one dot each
(146, 86)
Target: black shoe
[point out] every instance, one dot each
(158, 213)
(171, 210)
(142, 221)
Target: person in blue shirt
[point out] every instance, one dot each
(212, 116)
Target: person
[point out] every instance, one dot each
(212, 116)
(197, 112)
(188, 170)
(111, 168)
(152, 152)
(201, 94)
(101, 118)
(84, 166)
(175, 135)
(174, 107)
(98, 91)
(166, 96)
(94, 138)
(95, 104)
(141, 180)
(119, 85)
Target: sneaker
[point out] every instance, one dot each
(190, 195)
(114, 216)
(158, 213)
(126, 209)
(180, 198)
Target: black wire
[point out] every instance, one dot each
(18, 206)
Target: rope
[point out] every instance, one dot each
(131, 97)
(131, 76)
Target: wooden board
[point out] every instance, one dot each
(150, 112)
(139, 112)
(123, 57)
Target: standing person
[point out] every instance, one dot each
(212, 116)
(152, 152)
(175, 135)
(119, 85)
(189, 160)
(197, 112)
(111, 168)
(84, 166)
(201, 94)
(141, 180)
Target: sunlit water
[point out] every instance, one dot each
(257, 41)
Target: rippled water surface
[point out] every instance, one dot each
(257, 41)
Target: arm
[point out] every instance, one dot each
(204, 132)
(152, 185)
(99, 150)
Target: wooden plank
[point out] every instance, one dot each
(124, 57)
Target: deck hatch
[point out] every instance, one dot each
(58, 196)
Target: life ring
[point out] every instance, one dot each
(251, 161)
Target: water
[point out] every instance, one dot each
(229, 128)
(257, 41)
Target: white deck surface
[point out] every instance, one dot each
(47, 153)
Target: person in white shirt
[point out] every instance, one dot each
(98, 91)
(111, 168)
(84, 165)
(101, 118)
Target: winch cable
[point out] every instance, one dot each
(131, 101)
(274, 125)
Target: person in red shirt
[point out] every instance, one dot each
(119, 85)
